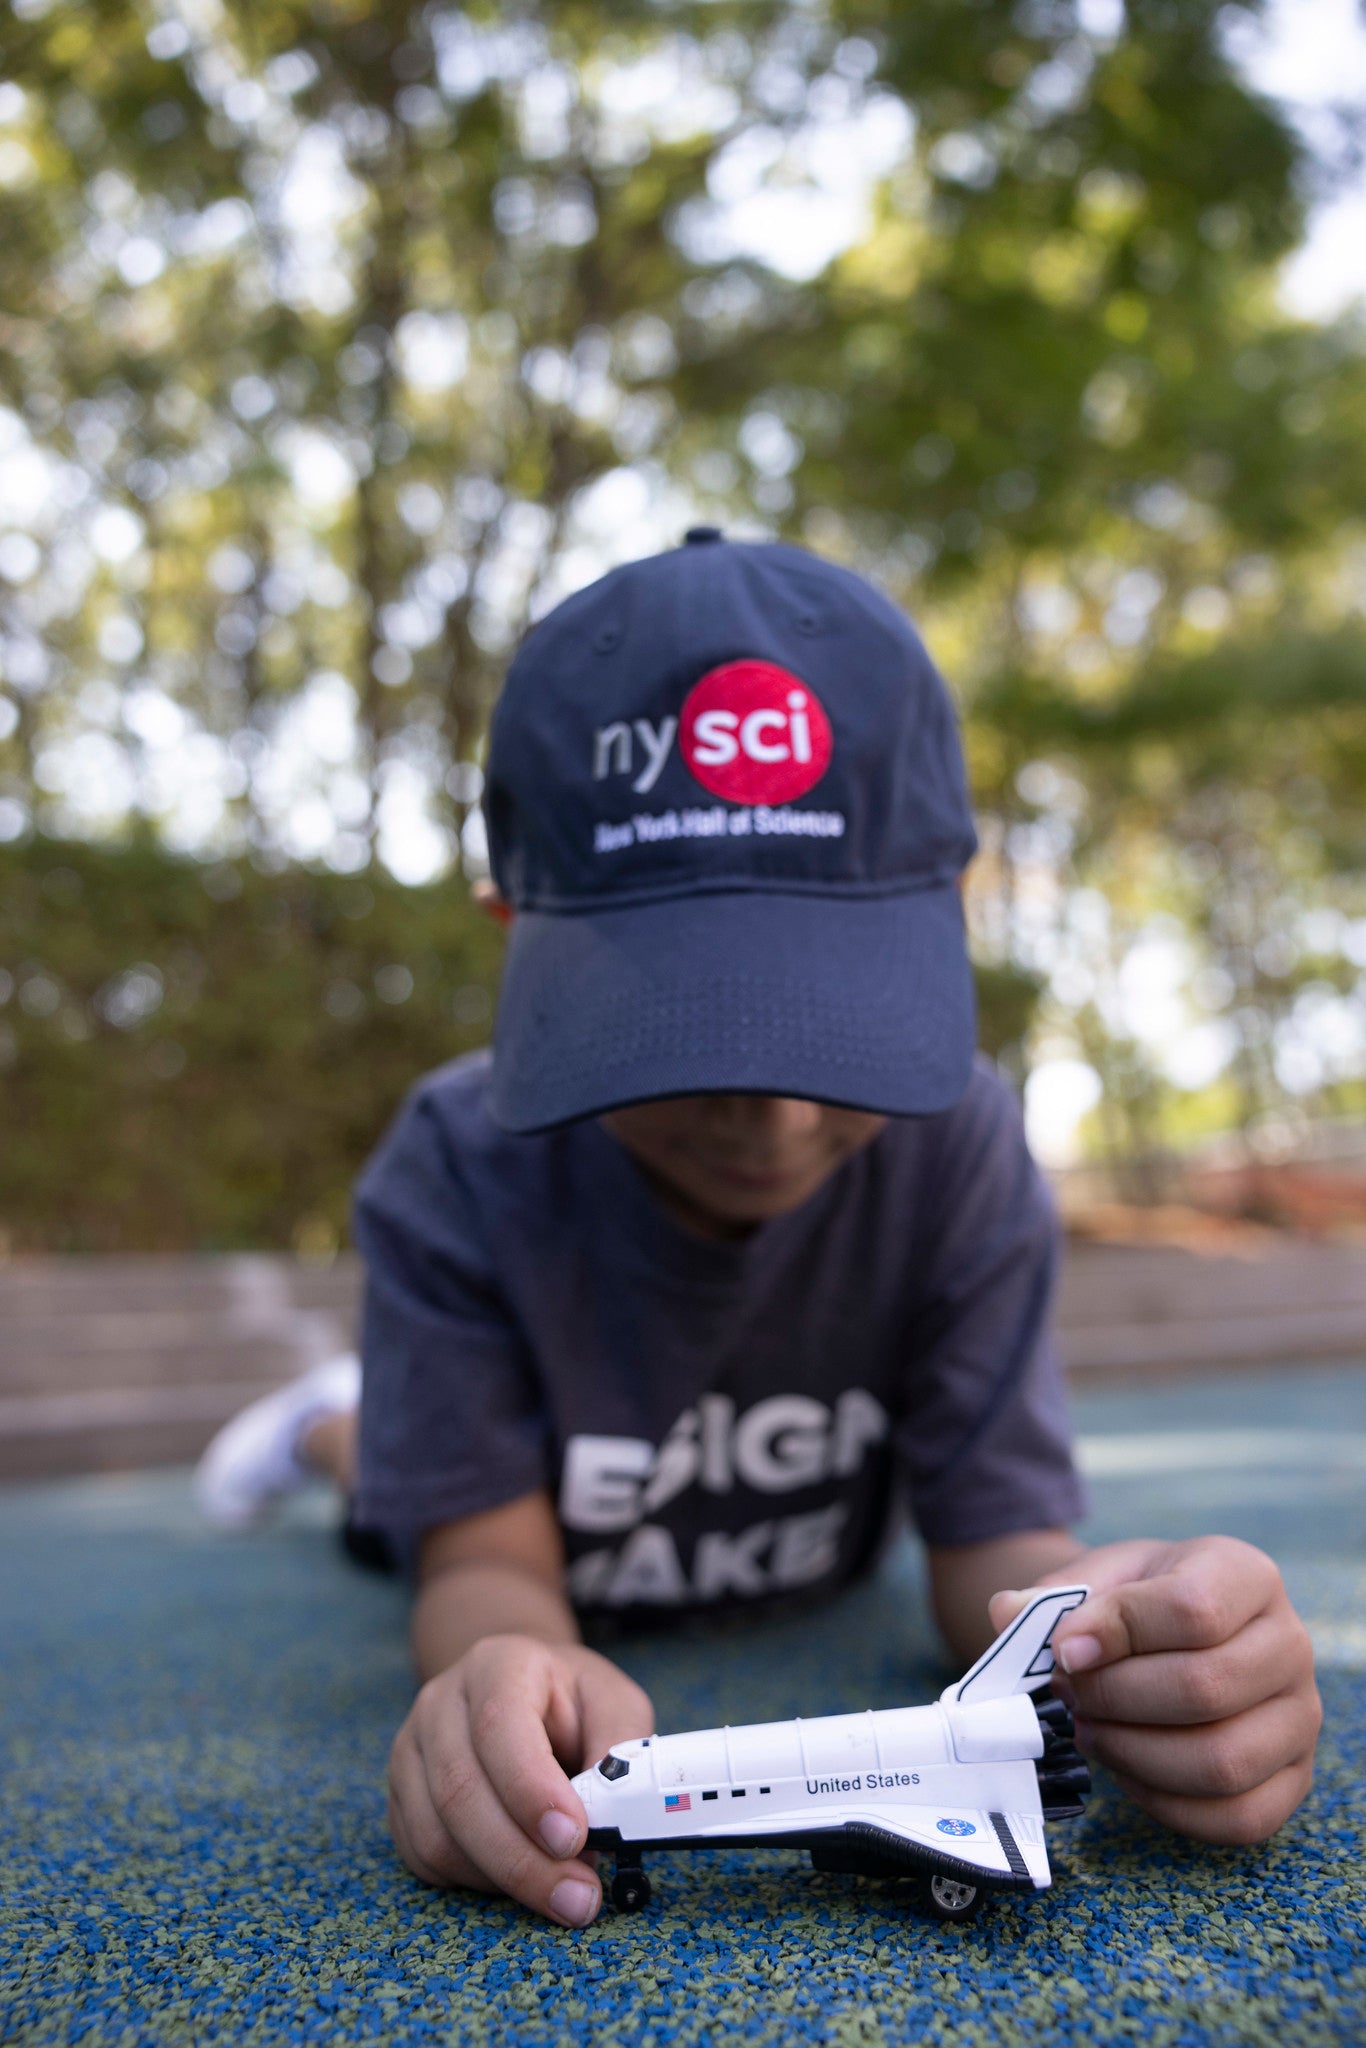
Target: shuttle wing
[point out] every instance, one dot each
(1007, 1849)
(1019, 1660)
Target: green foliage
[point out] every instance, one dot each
(1226, 786)
(351, 439)
(199, 1058)
(1007, 1004)
(1056, 352)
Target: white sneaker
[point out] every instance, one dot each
(254, 1459)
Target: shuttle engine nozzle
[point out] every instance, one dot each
(1064, 1779)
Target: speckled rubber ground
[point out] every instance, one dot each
(193, 1849)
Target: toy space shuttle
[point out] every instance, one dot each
(954, 1794)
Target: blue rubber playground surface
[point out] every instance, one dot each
(192, 1837)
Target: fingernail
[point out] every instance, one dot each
(574, 1901)
(1079, 1653)
(559, 1833)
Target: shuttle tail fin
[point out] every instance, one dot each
(1019, 1660)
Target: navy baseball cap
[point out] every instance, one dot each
(725, 798)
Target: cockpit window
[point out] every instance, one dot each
(613, 1767)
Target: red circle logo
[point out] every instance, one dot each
(754, 733)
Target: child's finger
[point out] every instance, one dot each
(422, 1840)
(1113, 1564)
(1182, 1688)
(508, 1708)
(470, 1809)
(612, 1708)
(1003, 1607)
(1221, 1760)
(1208, 1592)
(1232, 1822)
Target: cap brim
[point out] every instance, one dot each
(862, 1001)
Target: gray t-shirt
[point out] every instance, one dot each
(717, 1422)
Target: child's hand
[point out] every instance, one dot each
(478, 1792)
(1192, 1677)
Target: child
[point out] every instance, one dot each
(731, 1241)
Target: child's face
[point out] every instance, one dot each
(724, 1163)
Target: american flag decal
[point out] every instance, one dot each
(677, 1802)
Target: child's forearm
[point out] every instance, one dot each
(462, 1604)
(964, 1576)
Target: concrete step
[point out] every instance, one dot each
(166, 1353)
(244, 1282)
(116, 1429)
(112, 1363)
(1097, 1354)
(1110, 1284)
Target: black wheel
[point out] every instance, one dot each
(948, 1899)
(630, 1891)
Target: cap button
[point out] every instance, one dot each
(696, 535)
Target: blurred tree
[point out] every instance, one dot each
(323, 317)
(1227, 786)
(339, 339)
(1124, 490)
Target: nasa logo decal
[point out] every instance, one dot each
(955, 1827)
(754, 733)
